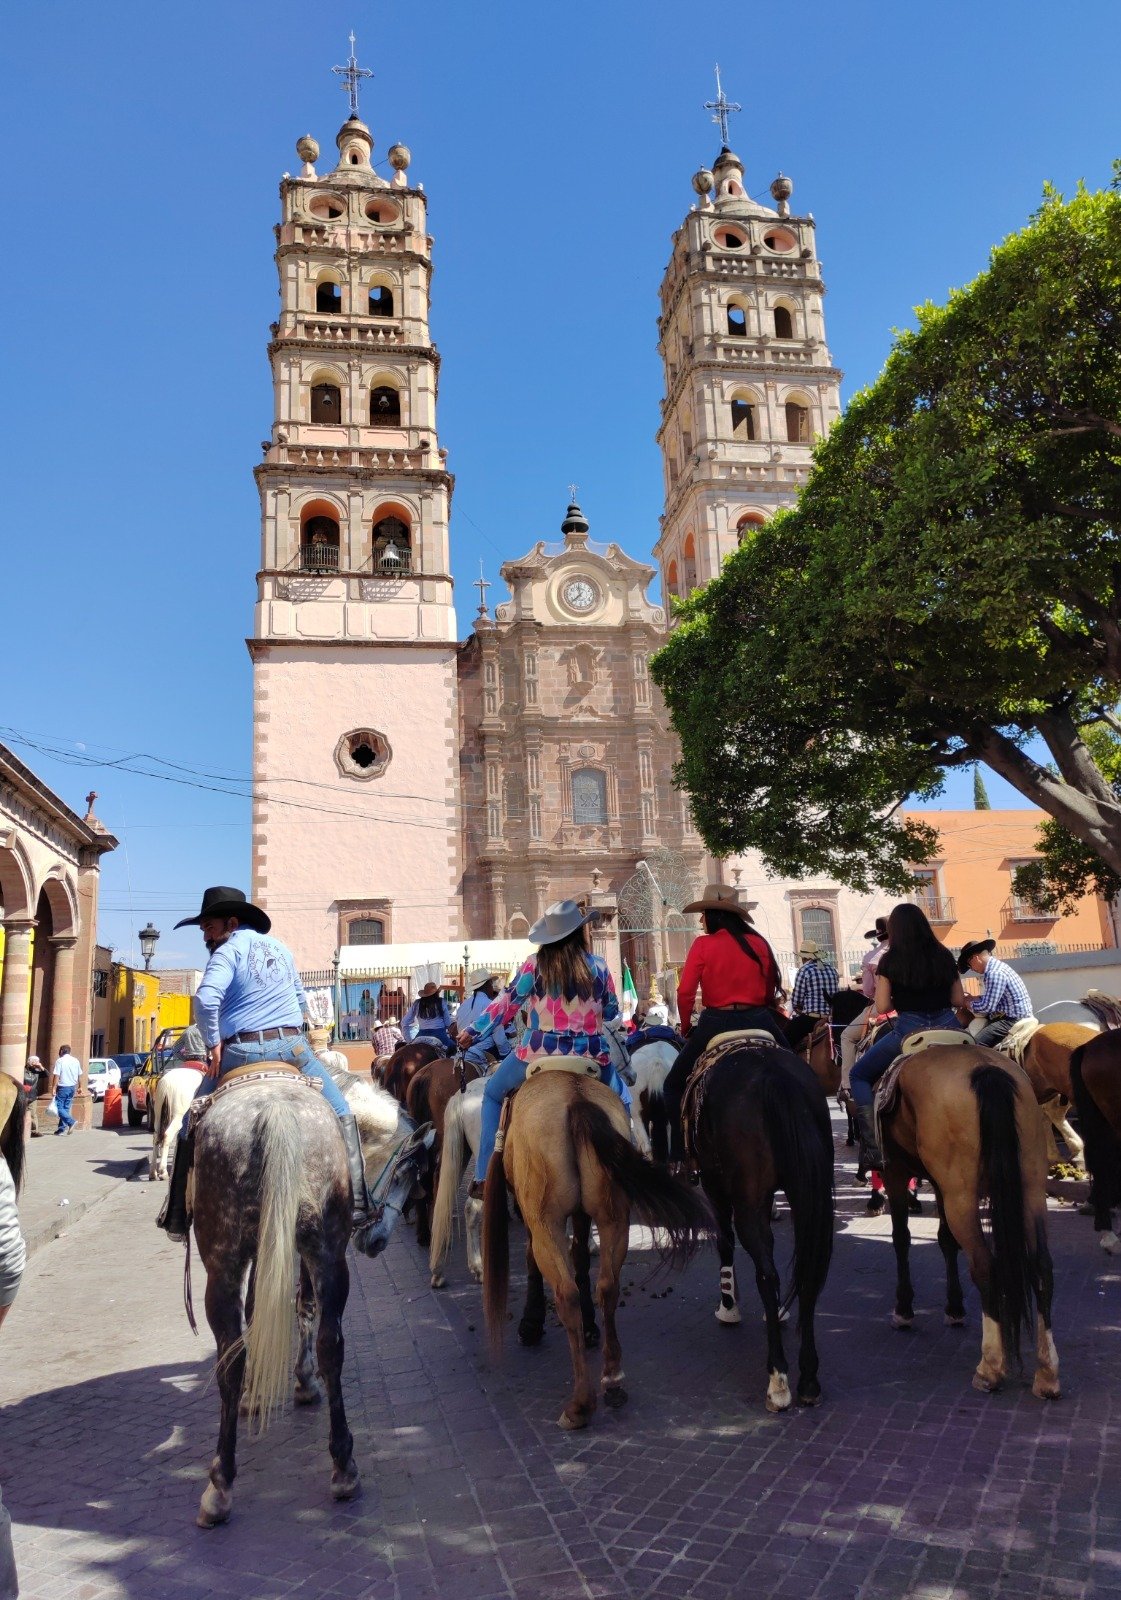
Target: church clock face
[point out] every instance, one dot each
(580, 594)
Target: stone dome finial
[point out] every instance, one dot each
(702, 181)
(781, 190)
(575, 525)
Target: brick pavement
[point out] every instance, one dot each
(904, 1483)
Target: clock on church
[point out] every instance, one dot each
(580, 594)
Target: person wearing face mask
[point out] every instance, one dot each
(251, 1007)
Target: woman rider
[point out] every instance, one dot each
(736, 971)
(917, 978)
(429, 1017)
(567, 992)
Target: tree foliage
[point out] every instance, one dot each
(947, 588)
(981, 801)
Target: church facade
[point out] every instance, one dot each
(411, 787)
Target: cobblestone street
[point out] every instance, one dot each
(904, 1483)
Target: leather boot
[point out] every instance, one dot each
(360, 1214)
(173, 1218)
(871, 1156)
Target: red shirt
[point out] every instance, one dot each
(725, 975)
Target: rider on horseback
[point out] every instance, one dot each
(250, 1006)
(569, 993)
(482, 991)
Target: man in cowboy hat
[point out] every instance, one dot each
(1003, 1000)
(251, 1006)
(852, 1034)
(815, 984)
(482, 989)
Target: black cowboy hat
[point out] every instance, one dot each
(879, 931)
(968, 951)
(224, 902)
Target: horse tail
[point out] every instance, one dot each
(496, 1251)
(269, 1336)
(1103, 1148)
(416, 1097)
(451, 1171)
(801, 1141)
(12, 1141)
(656, 1197)
(1015, 1266)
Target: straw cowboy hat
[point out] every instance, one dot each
(319, 1038)
(561, 918)
(719, 897)
(968, 951)
(224, 902)
(478, 976)
(810, 949)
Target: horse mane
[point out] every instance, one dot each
(1018, 1037)
(1106, 1007)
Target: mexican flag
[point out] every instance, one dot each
(630, 994)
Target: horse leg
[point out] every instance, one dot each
(1056, 1113)
(614, 1237)
(728, 1308)
(955, 1304)
(550, 1251)
(895, 1182)
(223, 1313)
(964, 1221)
(753, 1224)
(332, 1288)
(308, 1392)
(1045, 1384)
(531, 1329)
(582, 1272)
(473, 1228)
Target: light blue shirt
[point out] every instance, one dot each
(250, 983)
(413, 1024)
(469, 1013)
(68, 1071)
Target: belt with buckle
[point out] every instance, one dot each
(252, 1035)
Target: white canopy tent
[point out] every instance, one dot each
(453, 956)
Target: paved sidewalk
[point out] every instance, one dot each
(66, 1176)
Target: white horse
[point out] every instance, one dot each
(174, 1093)
(463, 1126)
(651, 1064)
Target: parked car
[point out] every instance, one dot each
(103, 1071)
(128, 1065)
(142, 1084)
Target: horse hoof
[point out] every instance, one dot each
(778, 1392)
(729, 1315)
(1046, 1388)
(345, 1482)
(571, 1424)
(953, 1320)
(530, 1333)
(214, 1507)
(591, 1337)
(308, 1394)
(985, 1385)
(1110, 1243)
(615, 1396)
(810, 1397)
(438, 1281)
(476, 1273)
(905, 1324)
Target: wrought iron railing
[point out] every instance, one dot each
(938, 907)
(319, 558)
(1017, 909)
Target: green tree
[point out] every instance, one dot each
(946, 591)
(1067, 868)
(981, 800)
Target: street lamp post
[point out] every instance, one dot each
(149, 938)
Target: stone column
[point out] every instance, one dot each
(15, 997)
(62, 1023)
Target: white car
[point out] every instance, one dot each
(102, 1072)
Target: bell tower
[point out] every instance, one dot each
(354, 639)
(749, 381)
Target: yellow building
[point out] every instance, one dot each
(134, 1009)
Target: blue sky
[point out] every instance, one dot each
(556, 144)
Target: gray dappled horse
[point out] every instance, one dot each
(272, 1185)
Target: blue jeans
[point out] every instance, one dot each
(878, 1057)
(507, 1077)
(62, 1099)
(439, 1036)
(293, 1048)
(479, 1057)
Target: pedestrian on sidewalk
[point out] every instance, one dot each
(13, 1254)
(67, 1076)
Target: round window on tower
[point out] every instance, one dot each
(362, 754)
(730, 238)
(327, 207)
(779, 239)
(383, 212)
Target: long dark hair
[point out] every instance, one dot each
(563, 968)
(430, 1005)
(915, 958)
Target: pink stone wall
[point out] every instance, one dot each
(393, 838)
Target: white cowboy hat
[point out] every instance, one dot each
(719, 897)
(478, 976)
(561, 918)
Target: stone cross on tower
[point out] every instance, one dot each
(721, 107)
(482, 584)
(351, 75)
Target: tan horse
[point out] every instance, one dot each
(966, 1118)
(817, 1051)
(568, 1154)
(1044, 1051)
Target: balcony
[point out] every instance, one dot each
(939, 909)
(1017, 909)
(394, 561)
(319, 558)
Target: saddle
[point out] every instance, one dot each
(239, 1077)
(692, 1101)
(887, 1089)
(579, 1066)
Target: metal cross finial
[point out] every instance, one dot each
(90, 798)
(573, 489)
(482, 585)
(721, 108)
(351, 75)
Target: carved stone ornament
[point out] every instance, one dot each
(363, 754)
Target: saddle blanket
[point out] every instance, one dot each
(239, 1077)
(692, 1101)
(655, 1034)
(887, 1087)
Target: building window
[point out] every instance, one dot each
(326, 404)
(329, 298)
(319, 547)
(97, 1044)
(737, 322)
(797, 422)
(385, 407)
(816, 923)
(689, 564)
(784, 323)
(381, 302)
(100, 984)
(743, 419)
(672, 580)
(589, 796)
(362, 754)
(366, 930)
(748, 523)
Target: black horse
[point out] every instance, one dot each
(763, 1125)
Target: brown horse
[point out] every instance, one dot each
(430, 1089)
(14, 1101)
(966, 1118)
(1044, 1051)
(816, 1050)
(404, 1064)
(1095, 1074)
(568, 1154)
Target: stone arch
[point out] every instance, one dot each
(784, 319)
(17, 894)
(61, 895)
(743, 413)
(798, 413)
(328, 292)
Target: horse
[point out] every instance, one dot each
(406, 1061)
(1095, 1075)
(816, 1050)
(175, 1089)
(651, 1064)
(14, 1101)
(430, 1090)
(463, 1126)
(845, 1006)
(1044, 1051)
(567, 1154)
(270, 1183)
(760, 1122)
(966, 1118)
